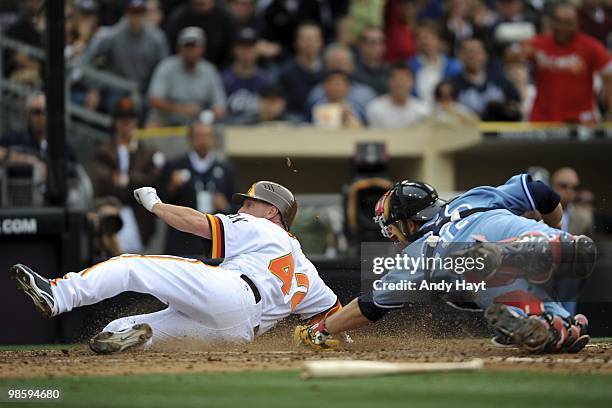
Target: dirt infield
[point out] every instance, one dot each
(275, 352)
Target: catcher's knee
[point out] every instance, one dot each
(578, 256)
(542, 256)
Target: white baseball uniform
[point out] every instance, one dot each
(205, 302)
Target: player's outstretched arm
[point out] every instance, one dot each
(350, 317)
(184, 219)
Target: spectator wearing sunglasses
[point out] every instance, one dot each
(31, 146)
(565, 182)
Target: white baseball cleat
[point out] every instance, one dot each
(108, 342)
(35, 286)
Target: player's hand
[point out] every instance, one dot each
(147, 197)
(309, 336)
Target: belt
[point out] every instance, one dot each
(253, 287)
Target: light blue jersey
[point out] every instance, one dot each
(502, 220)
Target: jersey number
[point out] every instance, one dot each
(283, 268)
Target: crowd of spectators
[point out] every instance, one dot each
(198, 179)
(334, 62)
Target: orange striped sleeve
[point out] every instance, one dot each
(318, 317)
(217, 236)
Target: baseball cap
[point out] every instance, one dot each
(246, 36)
(191, 35)
(136, 6)
(125, 108)
(87, 6)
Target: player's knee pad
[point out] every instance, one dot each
(530, 255)
(369, 309)
(538, 256)
(578, 256)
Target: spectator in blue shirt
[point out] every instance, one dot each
(431, 64)
(298, 76)
(243, 81)
(487, 93)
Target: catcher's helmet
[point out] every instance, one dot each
(407, 200)
(275, 194)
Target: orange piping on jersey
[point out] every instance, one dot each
(216, 235)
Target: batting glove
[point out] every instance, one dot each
(147, 197)
(314, 336)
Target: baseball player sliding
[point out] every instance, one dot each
(523, 259)
(264, 277)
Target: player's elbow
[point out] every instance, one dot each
(553, 219)
(546, 199)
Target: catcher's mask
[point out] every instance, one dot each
(407, 200)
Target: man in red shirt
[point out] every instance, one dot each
(400, 19)
(564, 64)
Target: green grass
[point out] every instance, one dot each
(488, 389)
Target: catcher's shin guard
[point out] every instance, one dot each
(535, 256)
(578, 255)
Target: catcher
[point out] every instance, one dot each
(521, 258)
(263, 278)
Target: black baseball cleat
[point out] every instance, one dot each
(108, 342)
(529, 333)
(35, 286)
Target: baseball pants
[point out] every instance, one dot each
(205, 303)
